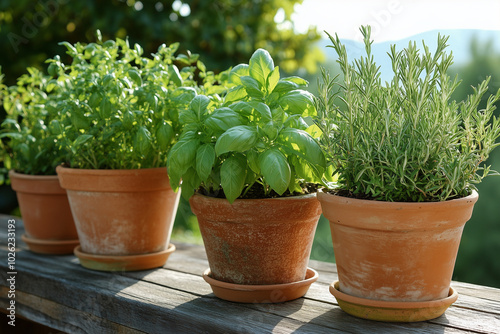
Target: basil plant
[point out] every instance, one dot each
(120, 110)
(254, 143)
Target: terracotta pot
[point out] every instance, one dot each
(121, 212)
(257, 241)
(392, 251)
(46, 213)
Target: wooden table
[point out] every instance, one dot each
(57, 292)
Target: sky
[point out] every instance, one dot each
(392, 20)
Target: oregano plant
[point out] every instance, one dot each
(29, 143)
(404, 140)
(254, 142)
(120, 109)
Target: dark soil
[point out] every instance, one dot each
(257, 192)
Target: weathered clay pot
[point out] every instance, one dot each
(393, 251)
(46, 213)
(120, 213)
(257, 241)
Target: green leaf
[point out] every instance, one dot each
(183, 153)
(275, 170)
(301, 143)
(201, 66)
(199, 105)
(233, 175)
(142, 141)
(175, 76)
(79, 121)
(82, 139)
(272, 79)
(205, 159)
(164, 136)
(135, 76)
(260, 65)
(251, 86)
(237, 93)
(298, 102)
(238, 139)
(263, 110)
(297, 80)
(183, 95)
(284, 86)
(253, 161)
(105, 108)
(190, 183)
(187, 116)
(237, 72)
(223, 119)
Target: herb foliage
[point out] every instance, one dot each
(404, 140)
(255, 137)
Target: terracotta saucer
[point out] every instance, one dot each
(55, 247)
(392, 311)
(123, 263)
(275, 293)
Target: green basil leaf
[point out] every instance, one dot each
(275, 170)
(105, 108)
(272, 79)
(237, 72)
(284, 87)
(260, 65)
(298, 102)
(237, 93)
(79, 120)
(183, 95)
(187, 116)
(142, 140)
(164, 136)
(301, 143)
(251, 86)
(182, 155)
(253, 161)
(263, 110)
(175, 76)
(238, 139)
(199, 105)
(233, 175)
(205, 159)
(223, 119)
(297, 80)
(135, 76)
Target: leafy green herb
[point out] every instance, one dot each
(255, 137)
(404, 140)
(120, 110)
(30, 133)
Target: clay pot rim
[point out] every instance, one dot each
(35, 184)
(111, 172)
(113, 180)
(383, 304)
(31, 176)
(374, 204)
(250, 200)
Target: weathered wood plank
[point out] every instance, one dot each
(60, 317)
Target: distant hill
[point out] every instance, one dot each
(459, 43)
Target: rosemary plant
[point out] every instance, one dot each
(404, 140)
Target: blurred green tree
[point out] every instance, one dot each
(223, 32)
(477, 260)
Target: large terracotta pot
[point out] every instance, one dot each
(46, 214)
(124, 218)
(393, 251)
(257, 241)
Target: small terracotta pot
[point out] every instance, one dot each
(46, 213)
(393, 251)
(257, 241)
(121, 212)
